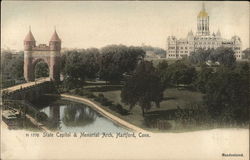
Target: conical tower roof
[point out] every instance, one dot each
(29, 37)
(55, 37)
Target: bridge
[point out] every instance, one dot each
(17, 98)
(29, 91)
(33, 54)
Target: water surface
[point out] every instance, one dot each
(68, 116)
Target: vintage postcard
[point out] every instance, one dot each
(122, 80)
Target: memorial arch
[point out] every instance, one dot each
(49, 54)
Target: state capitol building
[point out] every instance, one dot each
(178, 48)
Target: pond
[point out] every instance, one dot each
(69, 116)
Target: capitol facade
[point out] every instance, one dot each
(179, 48)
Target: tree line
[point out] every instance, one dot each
(222, 55)
(226, 88)
(110, 63)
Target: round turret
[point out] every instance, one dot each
(55, 42)
(29, 41)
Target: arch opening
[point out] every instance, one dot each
(41, 69)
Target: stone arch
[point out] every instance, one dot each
(37, 60)
(51, 58)
(49, 54)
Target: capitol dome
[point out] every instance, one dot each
(203, 12)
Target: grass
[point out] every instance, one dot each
(181, 110)
(173, 98)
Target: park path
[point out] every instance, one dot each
(104, 112)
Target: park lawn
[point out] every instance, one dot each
(173, 98)
(135, 117)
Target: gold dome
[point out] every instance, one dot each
(202, 14)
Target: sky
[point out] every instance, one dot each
(84, 24)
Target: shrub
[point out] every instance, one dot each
(100, 95)
(195, 114)
(106, 102)
(90, 95)
(96, 99)
(119, 106)
(77, 91)
(112, 107)
(105, 88)
(119, 109)
(80, 92)
(83, 92)
(115, 107)
(103, 100)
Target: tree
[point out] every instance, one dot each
(246, 53)
(63, 61)
(227, 93)
(156, 50)
(12, 65)
(116, 60)
(74, 70)
(87, 60)
(162, 66)
(143, 87)
(243, 112)
(162, 69)
(180, 73)
(225, 56)
(91, 61)
(202, 78)
(200, 56)
(17, 69)
(41, 70)
(6, 58)
(109, 69)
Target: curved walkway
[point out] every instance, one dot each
(106, 113)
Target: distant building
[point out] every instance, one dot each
(179, 48)
(152, 55)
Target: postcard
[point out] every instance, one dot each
(124, 80)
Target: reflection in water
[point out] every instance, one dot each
(54, 116)
(75, 117)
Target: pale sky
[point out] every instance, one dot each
(84, 24)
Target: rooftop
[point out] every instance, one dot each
(55, 37)
(29, 37)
